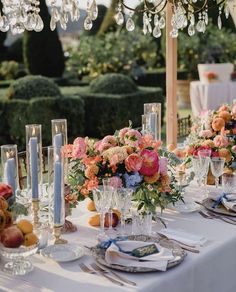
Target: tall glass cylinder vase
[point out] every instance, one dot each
(149, 125)
(34, 160)
(59, 139)
(9, 165)
(56, 188)
(154, 108)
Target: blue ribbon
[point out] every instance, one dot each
(219, 200)
(107, 243)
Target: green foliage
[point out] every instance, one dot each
(43, 54)
(214, 46)
(113, 83)
(30, 86)
(15, 114)
(8, 70)
(115, 52)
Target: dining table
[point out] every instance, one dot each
(210, 270)
(210, 96)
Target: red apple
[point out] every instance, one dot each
(12, 237)
(115, 220)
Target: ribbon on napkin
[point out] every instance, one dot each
(227, 200)
(157, 261)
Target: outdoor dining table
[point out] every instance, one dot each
(210, 96)
(211, 270)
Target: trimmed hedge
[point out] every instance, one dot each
(32, 86)
(15, 114)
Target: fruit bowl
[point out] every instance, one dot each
(18, 264)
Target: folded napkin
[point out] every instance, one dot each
(227, 200)
(156, 261)
(184, 237)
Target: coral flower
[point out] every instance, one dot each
(133, 162)
(150, 162)
(218, 124)
(91, 171)
(152, 179)
(221, 141)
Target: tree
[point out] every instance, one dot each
(109, 23)
(102, 10)
(43, 54)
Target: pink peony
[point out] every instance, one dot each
(122, 133)
(132, 138)
(110, 140)
(215, 154)
(221, 141)
(104, 146)
(234, 149)
(163, 161)
(150, 162)
(5, 191)
(97, 145)
(133, 162)
(206, 133)
(79, 148)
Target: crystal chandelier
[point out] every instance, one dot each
(21, 15)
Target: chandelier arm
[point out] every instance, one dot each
(204, 5)
(151, 10)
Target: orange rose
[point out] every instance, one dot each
(91, 171)
(152, 179)
(218, 124)
(133, 162)
(225, 153)
(208, 143)
(225, 115)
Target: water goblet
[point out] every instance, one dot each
(217, 168)
(229, 183)
(196, 162)
(123, 203)
(109, 187)
(204, 155)
(102, 204)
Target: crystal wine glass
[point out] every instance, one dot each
(217, 168)
(108, 187)
(123, 203)
(102, 203)
(197, 169)
(229, 183)
(204, 155)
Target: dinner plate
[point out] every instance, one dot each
(63, 252)
(220, 209)
(178, 253)
(186, 207)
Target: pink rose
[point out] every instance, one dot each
(150, 162)
(214, 154)
(104, 146)
(234, 149)
(163, 161)
(97, 145)
(133, 162)
(110, 140)
(122, 133)
(79, 148)
(5, 191)
(132, 138)
(221, 141)
(206, 133)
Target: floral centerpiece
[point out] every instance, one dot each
(216, 131)
(131, 159)
(211, 76)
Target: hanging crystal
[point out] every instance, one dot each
(162, 22)
(52, 24)
(130, 26)
(94, 10)
(5, 24)
(119, 18)
(174, 33)
(156, 31)
(191, 30)
(39, 24)
(226, 10)
(88, 24)
(156, 19)
(219, 21)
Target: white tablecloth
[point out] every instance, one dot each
(212, 270)
(209, 96)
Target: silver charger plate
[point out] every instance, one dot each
(63, 252)
(220, 209)
(178, 253)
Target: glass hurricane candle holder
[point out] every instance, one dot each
(154, 108)
(9, 171)
(56, 193)
(59, 134)
(34, 160)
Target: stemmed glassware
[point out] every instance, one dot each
(197, 168)
(123, 203)
(102, 201)
(229, 183)
(217, 168)
(204, 155)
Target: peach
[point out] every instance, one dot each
(25, 226)
(12, 237)
(30, 239)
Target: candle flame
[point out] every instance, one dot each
(33, 131)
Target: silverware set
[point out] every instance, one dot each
(212, 215)
(113, 277)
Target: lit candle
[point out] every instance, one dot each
(10, 173)
(57, 193)
(33, 153)
(57, 143)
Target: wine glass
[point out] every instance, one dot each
(197, 169)
(204, 155)
(102, 203)
(108, 187)
(217, 168)
(229, 183)
(123, 203)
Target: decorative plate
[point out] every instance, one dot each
(177, 251)
(63, 252)
(187, 207)
(220, 209)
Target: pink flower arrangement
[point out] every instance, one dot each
(128, 158)
(210, 75)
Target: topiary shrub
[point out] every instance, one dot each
(42, 52)
(113, 83)
(30, 86)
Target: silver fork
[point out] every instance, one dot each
(86, 269)
(121, 278)
(210, 215)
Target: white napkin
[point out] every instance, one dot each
(156, 261)
(184, 237)
(229, 203)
